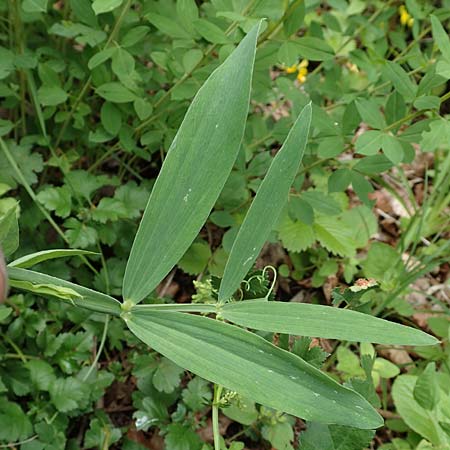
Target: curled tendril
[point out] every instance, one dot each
(275, 273)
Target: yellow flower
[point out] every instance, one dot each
(405, 17)
(302, 71)
(291, 69)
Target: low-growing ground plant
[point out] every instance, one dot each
(221, 349)
(248, 247)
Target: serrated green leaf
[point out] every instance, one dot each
(197, 394)
(79, 234)
(167, 376)
(196, 258)
(321, 321)
(194, 172)
(296, 236)
(230, 356)
(334, 236)
(58, 199)
(66, 393)
(15, 423)
(270, 200)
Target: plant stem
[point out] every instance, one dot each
(100, 348)
(215, 415)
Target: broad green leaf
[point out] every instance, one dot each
(194, 172)
(421, 420)
(319, 436)
(322, 203)
(392, 148)
(288, 53)
(90, 299)
(369, 142)
(133, 36)
(400, 80)
(4, 312)
(9, 228)
(210, 32)
(373, 164)
(339, 180)
(34, 6)
(440, 37)
(426, 390)
(51, 95)
(270, 200)
(322, 321)
(168, 26)
(116, 93)
(101, 57)
(370, 113)
(187, 13)
(111, 118)
(104, 6)
(246, 363)
(314, 48)
(35, 258)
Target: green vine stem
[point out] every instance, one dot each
(215, 415)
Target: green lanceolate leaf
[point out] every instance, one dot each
(38, 257)
(246, 363)
(87, 298)
(63, 293)
(264, 212)
(322, 321)
(194, 172)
